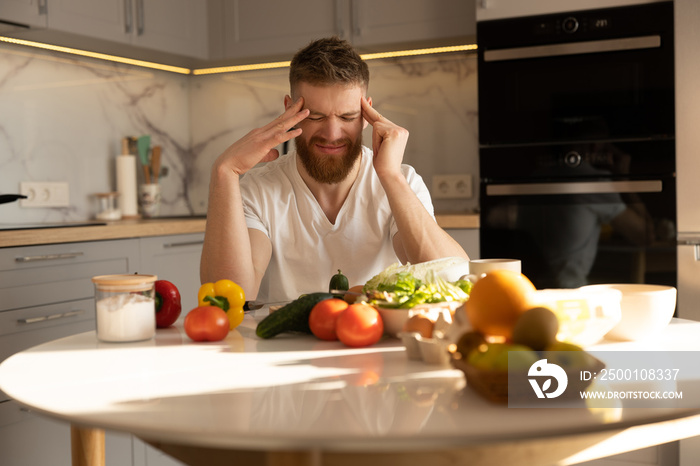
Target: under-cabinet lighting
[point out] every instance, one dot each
(367, 56)
(410, 53)
(99, 56)
(234, 68)
(223, 69)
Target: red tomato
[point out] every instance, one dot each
(168, 305)
(323, 317)
(359, 325)
(206, 323)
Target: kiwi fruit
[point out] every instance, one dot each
(468, 342)
(537, 328)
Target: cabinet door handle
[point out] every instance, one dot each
(48, 257)
(140, 17)
(62, 315)
(183, 244)
(128, 17)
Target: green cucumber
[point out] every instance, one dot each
(293, 317)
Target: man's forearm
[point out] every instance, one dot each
(227, 251)
(421, 237)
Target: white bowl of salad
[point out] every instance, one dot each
(400, 291)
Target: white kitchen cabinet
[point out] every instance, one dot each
(248, 29)
(173, 26)
(376, 23)
(26, 12)
(146, 455)
(175, 258)
(46, 293)
(468, 238)
(101, 19)
(30, 439)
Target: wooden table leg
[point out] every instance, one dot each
(87, 446)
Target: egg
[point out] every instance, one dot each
(421, 324)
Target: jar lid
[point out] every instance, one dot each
(124, 282)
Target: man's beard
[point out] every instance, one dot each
(325, 168)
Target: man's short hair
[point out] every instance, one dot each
(328, 61)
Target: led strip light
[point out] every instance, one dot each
(100, 56)
(222, 69)
(368, 56)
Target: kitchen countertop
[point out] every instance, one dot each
(300, 398)
(158, 227)
(458, 220)
(112, 230)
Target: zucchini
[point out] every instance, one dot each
(293, 317)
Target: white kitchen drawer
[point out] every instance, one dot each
(42, 317)
(62, 320)
(175, 258)
(30, 439)
(35, 275)
(24, 328)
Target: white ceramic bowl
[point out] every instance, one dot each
(394, 320)
(646, 309)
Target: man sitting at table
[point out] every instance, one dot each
(286, 227)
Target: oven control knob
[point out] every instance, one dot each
(572, 159)
(570, 25)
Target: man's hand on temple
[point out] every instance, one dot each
(388, 141)
(259, 144)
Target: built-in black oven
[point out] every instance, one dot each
(577, 145)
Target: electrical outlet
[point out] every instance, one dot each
(452, 186)
(44, 194)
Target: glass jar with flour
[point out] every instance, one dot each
(125, 307)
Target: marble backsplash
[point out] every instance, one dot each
(62, 118)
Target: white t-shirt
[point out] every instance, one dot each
(307, 249)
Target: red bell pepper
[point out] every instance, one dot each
(168, 305)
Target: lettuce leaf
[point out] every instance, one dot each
(404, 290)
(420, 271)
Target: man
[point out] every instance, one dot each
(285, 228)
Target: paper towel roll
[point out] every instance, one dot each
(126, 185)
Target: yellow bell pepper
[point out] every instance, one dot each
(224, 294)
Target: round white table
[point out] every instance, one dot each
(294, 399)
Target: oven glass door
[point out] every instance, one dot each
(610, 81)
(583, 231)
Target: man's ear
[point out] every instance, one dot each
(364, 122)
